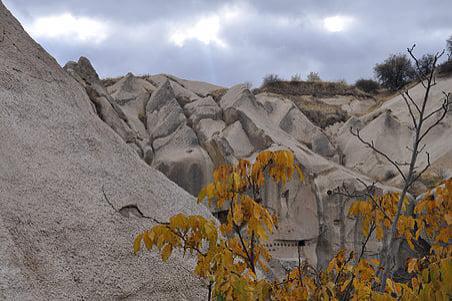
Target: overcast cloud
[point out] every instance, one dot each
(228, 42)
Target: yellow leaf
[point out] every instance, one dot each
(345, 284)
(201, 195)
(379, 232)
(238, 214)
(374, 261)
(300, 173)
(412, 265)
(166, 252)
(147, 240)
(137, 243)
(448, 218)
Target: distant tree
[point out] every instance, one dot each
(296, 77)
(270, 78)
(313, 77)
(426, 63)
(395, 72)
(367, 85)
(449, 46)
(248, 85)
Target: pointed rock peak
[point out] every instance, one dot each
(84, 69)
(126, 83)
(166, 90)
(238, 93)
(162, 95)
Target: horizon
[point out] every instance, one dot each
(226, 43)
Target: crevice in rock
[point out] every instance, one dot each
(129, 210)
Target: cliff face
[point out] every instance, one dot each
(59, 236)
(186, 128)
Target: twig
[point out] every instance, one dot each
(372, 146)
(413, 118)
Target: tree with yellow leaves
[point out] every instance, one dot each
(229, 255)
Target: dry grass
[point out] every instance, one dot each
(109, 81)
(217, 94)
(315, 88)
(318, 112)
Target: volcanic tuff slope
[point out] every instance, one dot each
(59, 237)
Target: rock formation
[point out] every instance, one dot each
(388, 126)
(85, 161)
(60, 237)
(189, 132)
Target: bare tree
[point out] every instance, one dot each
(313, 77)
(419, 117)
(296, 77)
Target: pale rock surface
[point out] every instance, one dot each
(107, 110)
(129, 88)
(219, 150)
(59, 237)
(238, 140)
(388, 126)
(183, 95)
(164, 115)
(132, 93)
(200, 88)
(288, 117)
(176, 149)
(207, 128)
(317, 223)
(181, 159)
(351, 104)
(205, 108)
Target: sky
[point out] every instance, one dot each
(230, 42)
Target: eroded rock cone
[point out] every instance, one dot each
(60, 237)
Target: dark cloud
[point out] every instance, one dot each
(282, 37)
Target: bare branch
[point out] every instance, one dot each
(445, 103)
(413, 118)
(372, 146)
(445, 109)
(423, 170)
(354, 195)
(418, 71)
(407, 93)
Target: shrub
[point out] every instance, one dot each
(445, 68)
(367, 85)
(248, 85)
(449, 46)
(313, 77)
(426, 63)
(296, 77)
(270, 78)
(395, 72)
